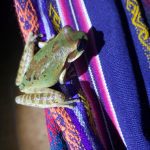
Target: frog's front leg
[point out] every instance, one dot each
(62, 76)
(67, 74)
(26, 57)
(71, 58)
(45, 98)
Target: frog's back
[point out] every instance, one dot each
(46, 66)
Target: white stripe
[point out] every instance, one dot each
(82, 122)
(110, 102)
(45, 22)
(98, 97)
(74, 17)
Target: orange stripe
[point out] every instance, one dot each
(72, 138)
(24, 13)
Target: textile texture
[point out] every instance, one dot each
(113, 73)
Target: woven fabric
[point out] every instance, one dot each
(113, 72)
(121, 69)
(146, 12)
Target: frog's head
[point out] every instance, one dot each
(76, 40)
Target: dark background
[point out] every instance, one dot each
(11, 45)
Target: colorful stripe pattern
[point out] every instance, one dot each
(146, 7)
(141, 32)
(55, 136)
(27, 17)
(110, 73)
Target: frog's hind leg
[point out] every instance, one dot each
(26, 57)
(45, 98)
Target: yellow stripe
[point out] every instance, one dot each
(142, 30)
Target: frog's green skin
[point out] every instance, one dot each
(48, 66)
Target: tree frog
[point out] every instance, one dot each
(37, 72)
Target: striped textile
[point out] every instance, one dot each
(146, 13)
(113, 72)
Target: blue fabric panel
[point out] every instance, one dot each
(121, 70)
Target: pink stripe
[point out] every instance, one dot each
(85, 26)
(100, 82)
(84, 81)
(102, 87)
(98, 73)
(100, 127)
(65, 10)
(94, 63)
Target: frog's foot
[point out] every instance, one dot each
(41, 44)
(66, 104)
(71, 101)
(31, 37)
